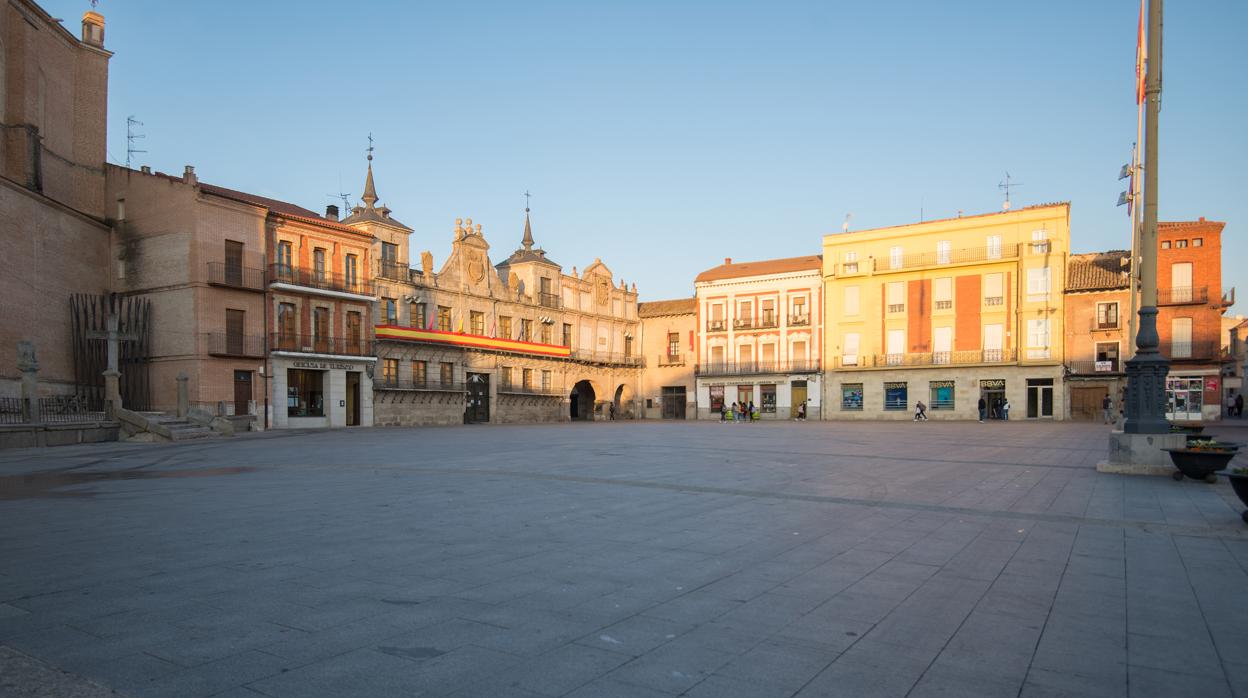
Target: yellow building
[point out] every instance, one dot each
(947, 312)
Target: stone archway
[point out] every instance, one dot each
(582, 401)
(623, 402)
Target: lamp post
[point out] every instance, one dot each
(1146, 371)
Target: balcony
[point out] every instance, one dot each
(235, 276)
(1188, 295)
(676, 359)
(800, 320)
(716, 325)
(310, 344)
(321, 281)
(429, 386)
(390, 269)
(934, 358)
(1095, 368)
(753, 368)
(1191, 351)
(548, 300)
(241, 345)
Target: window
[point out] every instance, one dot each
(354, 336)
(417, 315)
(567, 334)
(1038, 339)
(1038, 284)
(320, 328)
(1180, 338)
(849, 351)
(444, 319)
(942, 345)
(896, 347)
(1106, 316)
(390, 311)
(767, 398)
(476, 323)
(993, 342)
(304, 397)
(548, 333)
(851, 262)
(1165, 244)
(941, 395)
(993, 293)
(717, 398)
(994, 247)
(351, 272)
(389, 252)
(894, 257)
(1198, 242)
(897, 297)
(318, 264)
(895, 396)
(446, 372)
(546, 381)
(526, 330)
(526, 378)
(285, 255)
(673, 344)
(420, 373)
(1181, 282)
(504, 327)
(851, 396)
(1180, 244)
(286, 326)
(852, 306)
(390, 371)
(504, 376)
(942, 292)
(944, 248)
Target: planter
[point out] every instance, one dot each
(1200, 465)
(1239, 483)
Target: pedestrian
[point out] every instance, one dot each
(920, 411)
(1107, 407)
(1239, 405)
(1005, 409)
(983, 408)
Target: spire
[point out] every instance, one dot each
(527, 242)
(370, 191)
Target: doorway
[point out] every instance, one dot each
(353, 398)
(673, 402)
(1039, 398)
(477, 399)
(798, 397)
(582, 402)
(242, 392)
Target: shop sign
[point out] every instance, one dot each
(321, 365)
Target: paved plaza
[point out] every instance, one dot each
(619, 559)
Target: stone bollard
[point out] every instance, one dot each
(184, 396)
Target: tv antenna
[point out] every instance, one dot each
(1005, 186)
(131, 137)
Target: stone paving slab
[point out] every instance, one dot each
(630, 559)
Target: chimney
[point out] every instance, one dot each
(727, 260)
(93, 29)
(188, 175)
(331, 212)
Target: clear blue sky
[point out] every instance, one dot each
(663, 137)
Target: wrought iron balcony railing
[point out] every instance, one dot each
(235, 276)
(230, 344)
(324, 281)
(312, 344)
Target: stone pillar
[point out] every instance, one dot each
(29, 366)
(184, 396)
(112, 393)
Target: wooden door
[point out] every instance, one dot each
(242, 392)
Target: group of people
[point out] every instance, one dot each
(1235, 406)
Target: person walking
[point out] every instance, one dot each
(1005, 409)
(1239, 405)
(983, 409)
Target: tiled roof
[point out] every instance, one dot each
(732, 270)
(676, 306)
(1098, 271)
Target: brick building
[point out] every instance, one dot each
(668, 341)
(53, 238)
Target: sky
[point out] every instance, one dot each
(665, 136)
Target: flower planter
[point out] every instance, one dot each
(1201, 464)
(1239, 483)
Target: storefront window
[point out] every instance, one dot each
(717, 398)
(304, 397)
(851, 396)
(895, 397)
(942, 395)
(768, 398)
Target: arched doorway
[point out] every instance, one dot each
(582, 401)
(623, 402)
